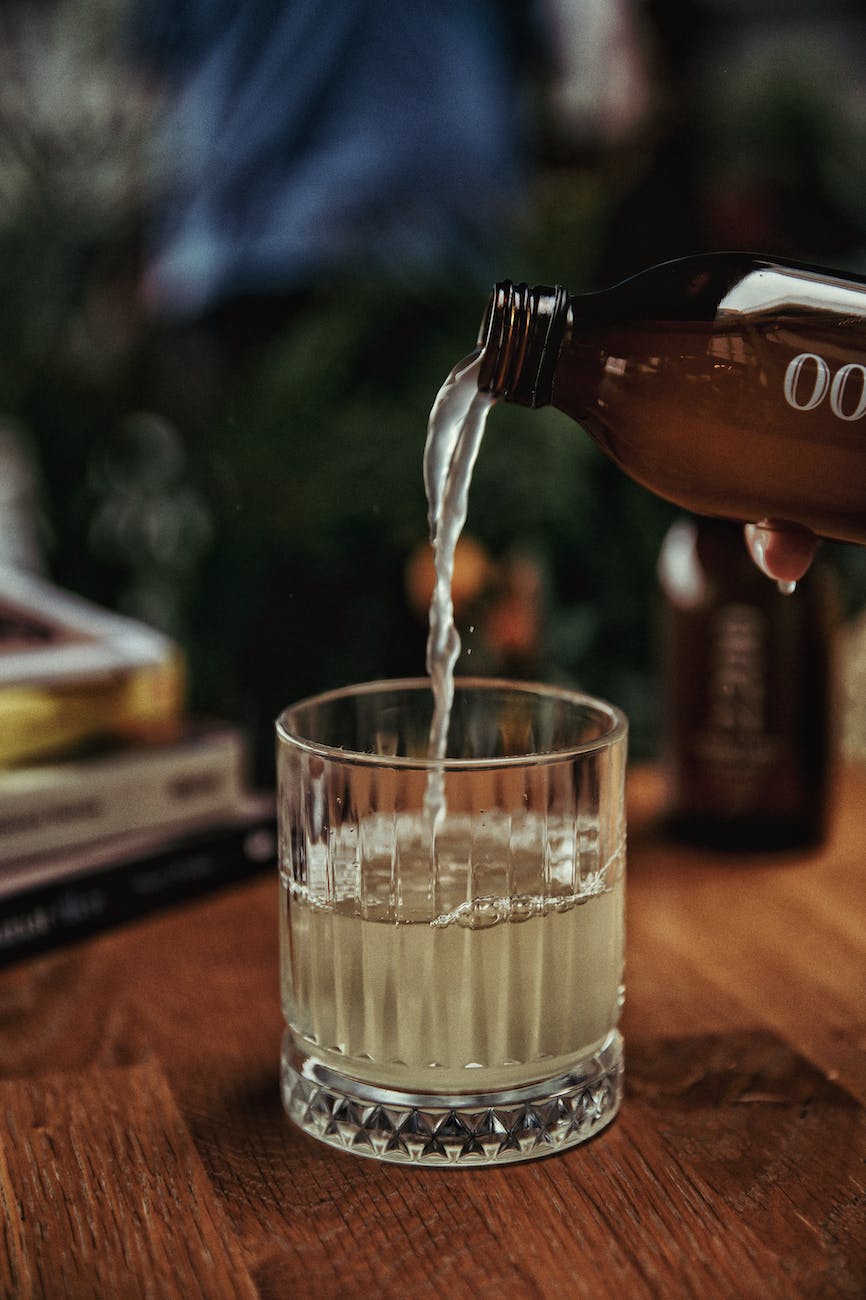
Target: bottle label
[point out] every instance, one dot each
(809, 380)
(735, 749)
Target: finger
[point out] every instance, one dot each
(782, 551)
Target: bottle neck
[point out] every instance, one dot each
(520, 338)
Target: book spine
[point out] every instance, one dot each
(50, 916)
(169, 788)
(43, 721)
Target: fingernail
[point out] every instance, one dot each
(757, 538)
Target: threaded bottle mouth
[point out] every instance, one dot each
(520, 338)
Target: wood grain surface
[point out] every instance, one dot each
(144, 1151)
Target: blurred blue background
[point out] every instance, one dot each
(242, 245)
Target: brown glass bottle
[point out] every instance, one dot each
(730, 384)
(747, 701)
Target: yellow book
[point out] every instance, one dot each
(71, 672)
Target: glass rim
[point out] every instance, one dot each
(617, 720)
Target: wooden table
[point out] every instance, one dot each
(145, 1153)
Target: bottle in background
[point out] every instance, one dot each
(746, 695)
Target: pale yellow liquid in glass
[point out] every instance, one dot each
(451, 1008)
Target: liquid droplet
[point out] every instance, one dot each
(786, 587)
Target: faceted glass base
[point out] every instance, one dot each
(458, 1131)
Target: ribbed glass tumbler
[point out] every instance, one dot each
(452, 930)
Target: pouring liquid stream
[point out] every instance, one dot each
(454, 433)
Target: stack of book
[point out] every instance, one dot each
(113, 802)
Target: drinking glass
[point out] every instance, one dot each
(452, 929)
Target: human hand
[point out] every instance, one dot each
(782, 551)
